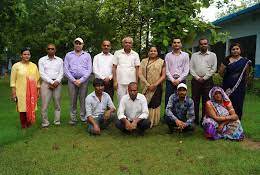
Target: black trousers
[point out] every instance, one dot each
(172, 125)
(109, 88)
(199, 90)
(142, 125)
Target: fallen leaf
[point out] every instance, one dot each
(124, 168)
(178, 152)
(55, 146)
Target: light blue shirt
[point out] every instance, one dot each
(77, 66)
(94, 107)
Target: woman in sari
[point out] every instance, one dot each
(221, 120)
(235, 70)
(25, 88)
(152, 73)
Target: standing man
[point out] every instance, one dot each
(180, 110)
(51, 72)
(177, 68)
(203, 65)
(102, 67)
(77, 68)
(133, 111)
(126, 63)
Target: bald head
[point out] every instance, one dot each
(133, 90)
(106, 46)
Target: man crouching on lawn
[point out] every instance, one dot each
(180, 111)
(99, 108)
(133, 111)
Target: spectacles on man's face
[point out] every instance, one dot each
(78, 43)
(50, 48)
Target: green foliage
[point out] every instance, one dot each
(35, 23)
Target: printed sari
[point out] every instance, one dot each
(151, 72)
(232, 130)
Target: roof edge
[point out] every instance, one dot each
(236, 14)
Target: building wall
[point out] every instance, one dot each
(242, 26)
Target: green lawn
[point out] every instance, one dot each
(70, 150)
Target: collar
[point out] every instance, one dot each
(137, 97)
(48, 58)
(93, 94)
(102, 53)
(177, 98)
(123, 51)
(206, 53)
(175, 53)
(81, 53)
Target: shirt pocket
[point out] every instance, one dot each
(138, 107)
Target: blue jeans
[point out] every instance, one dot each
(103, 124)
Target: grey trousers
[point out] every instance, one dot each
(75, 92)
(46, 95)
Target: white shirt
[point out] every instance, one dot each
(203, 65)
(51, 69)
(94, 107)
(126, 63)
(102, 66)
(130, 109)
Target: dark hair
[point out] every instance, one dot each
(176, 38)
(106, 40)
(132, 83)
(157, 48)
(24, 49)
(98, 82)
(233, 45)
(203, 38)
(154, 47)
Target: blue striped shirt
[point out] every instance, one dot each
(183, 111)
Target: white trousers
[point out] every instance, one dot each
(121, 91)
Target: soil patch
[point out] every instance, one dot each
(250, 144)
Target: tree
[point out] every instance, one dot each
(156, 22)
(232, 6)
(11, 12)
(38, 22)
(177, 19)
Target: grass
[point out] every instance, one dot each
(70, 150)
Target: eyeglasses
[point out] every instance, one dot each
(78, 43)
(50, 48)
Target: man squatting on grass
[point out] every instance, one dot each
(99, 108)
(133, 111)
(180, 110)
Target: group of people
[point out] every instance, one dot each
(121, 72)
